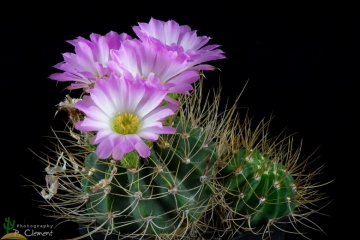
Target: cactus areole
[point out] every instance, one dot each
(258, 189)
(161, 194)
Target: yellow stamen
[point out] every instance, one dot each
(125, 123)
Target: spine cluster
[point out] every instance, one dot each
(203, 181)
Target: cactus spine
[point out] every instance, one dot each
(259, 190)
(159, 195)
(215, 175)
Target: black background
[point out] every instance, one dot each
(300, 61)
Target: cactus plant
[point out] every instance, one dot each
(263, 181)
(193, 183)
(169, 168)
(156, 195)
(257, 188)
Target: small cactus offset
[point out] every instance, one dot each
(258, 190)
(9, 224)
(151, 157)
(263, 182)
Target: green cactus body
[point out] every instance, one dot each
(157, 195)
(258, 190)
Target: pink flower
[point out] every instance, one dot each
(88, 63)
(123, 114)
(152, 62)
(182, 40)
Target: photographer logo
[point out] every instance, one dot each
(23, 231)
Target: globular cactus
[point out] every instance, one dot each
(215, 177)
(257, 189)
(151, 160)
(163, 194)
(262, 182)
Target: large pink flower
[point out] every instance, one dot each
(151, 61)
(182, 39)
(123, 114)
(88, 63)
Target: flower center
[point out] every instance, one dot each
(125, 123)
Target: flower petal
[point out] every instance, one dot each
(104, 149)
(142, 149)
(117, 95)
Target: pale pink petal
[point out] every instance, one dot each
(117, 153)
(203, 67)
(147, 60)
(150, 124)
(190, 40)
(89, 124)
(181, 89)
(116, 91)
(74, 86)
(117, 95)
(104, 149)
(151, 133)
(114, 66)
(167, 130)
(133, 138)
(171, 32)
(150, 102)
(171, 108)
(172, 101)
(151, 136)
(186, 78)
(87, 64)
(157, 116)
(180, 39)
(102, 134)
(100, 98)
(127, 146)
(116, 139)
(67, 77)
(142, 149)
(114, 39)
(137, 90)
